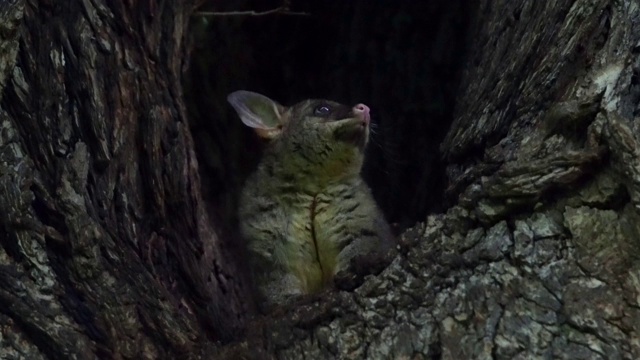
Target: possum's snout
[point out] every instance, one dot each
(361, 111)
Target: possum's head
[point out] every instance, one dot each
(328, 137)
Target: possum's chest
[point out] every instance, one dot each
(303, 235)
(314, 235)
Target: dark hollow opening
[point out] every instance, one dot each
(402, 58)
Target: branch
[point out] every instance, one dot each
(284, 10)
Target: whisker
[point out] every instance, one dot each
(386, 145)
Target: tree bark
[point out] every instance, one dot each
(108, 250)
(539, 256)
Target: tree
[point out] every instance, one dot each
(106, 247)
(110, 249)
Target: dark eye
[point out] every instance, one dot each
(322, 110)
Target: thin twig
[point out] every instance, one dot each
(279, 10)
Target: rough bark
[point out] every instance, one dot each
(107, 250)
(539, 258)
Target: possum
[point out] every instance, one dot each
(305, 213)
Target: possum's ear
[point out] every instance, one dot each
(259, 112)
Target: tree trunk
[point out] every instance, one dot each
(540, 256)
(109, 251)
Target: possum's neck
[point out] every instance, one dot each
(299, 169)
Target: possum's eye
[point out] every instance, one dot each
(322, 110)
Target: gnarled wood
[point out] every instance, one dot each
(107, 249)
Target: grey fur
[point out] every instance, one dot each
(306, 213)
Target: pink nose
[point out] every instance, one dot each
(362, 111)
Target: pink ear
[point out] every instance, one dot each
(258, 111)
